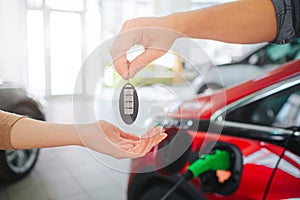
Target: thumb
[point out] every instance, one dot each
(144, 59)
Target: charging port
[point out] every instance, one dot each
(209, 180)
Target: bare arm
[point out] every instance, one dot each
(25, 133)
(28, 133)
(244, 21)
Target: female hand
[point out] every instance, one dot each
(106, 138)
(156, 35)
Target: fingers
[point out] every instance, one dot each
(135, 149)
(135, 34)
(125, 26)
(126, 146)
(162, 136)
(118, 51)
(148, 140)
(152, 33)
(156, 138)
(120, 62)
(125, 141)
(124, 152)
(129, 136)
(152, 138)
(144, 59)
(121, 66)
(123, 135)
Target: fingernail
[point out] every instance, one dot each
(163, 135)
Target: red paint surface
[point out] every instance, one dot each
(260, 158)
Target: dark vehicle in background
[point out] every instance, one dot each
(15, 164)
(257, 123)
(261, 59)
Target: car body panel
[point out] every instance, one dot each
(229, 75)
(16, 164)
(13, 97)
(260, 60)
(236, 74)
(259, 159)
(285, 183)
(224, 97)
(271, 156)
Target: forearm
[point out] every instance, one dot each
(17, 132)
(28, 133)
(245, 21)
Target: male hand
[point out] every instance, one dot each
(154, 34)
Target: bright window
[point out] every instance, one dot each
(65, 51)
(72, 5)
(60, 35)
(36, 54)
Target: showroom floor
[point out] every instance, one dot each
(68, 172)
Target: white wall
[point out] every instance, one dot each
(13, 57)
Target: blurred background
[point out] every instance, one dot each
(44, 43)
(43, 40)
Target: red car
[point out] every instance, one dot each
(257, 123)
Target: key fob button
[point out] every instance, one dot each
(128, 103)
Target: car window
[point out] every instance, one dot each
(281, 109)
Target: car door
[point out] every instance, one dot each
(285, 183)
(260, 125)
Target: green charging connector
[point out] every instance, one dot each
(219, 160)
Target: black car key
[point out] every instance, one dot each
(128, 103)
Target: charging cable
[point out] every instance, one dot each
(218, 160)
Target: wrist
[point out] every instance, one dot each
(82, 133)
(193, 24)
(177, 23)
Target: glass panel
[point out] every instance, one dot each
(73, 5)
(145, 8)
(116, 12)
(111, 22)
(289, 114)
(128, 10)
(36, 62)
(65, 45)
(92, 5)
(274, 110)
(93, 30)
(35, 3)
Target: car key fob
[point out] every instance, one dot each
(128, 103)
